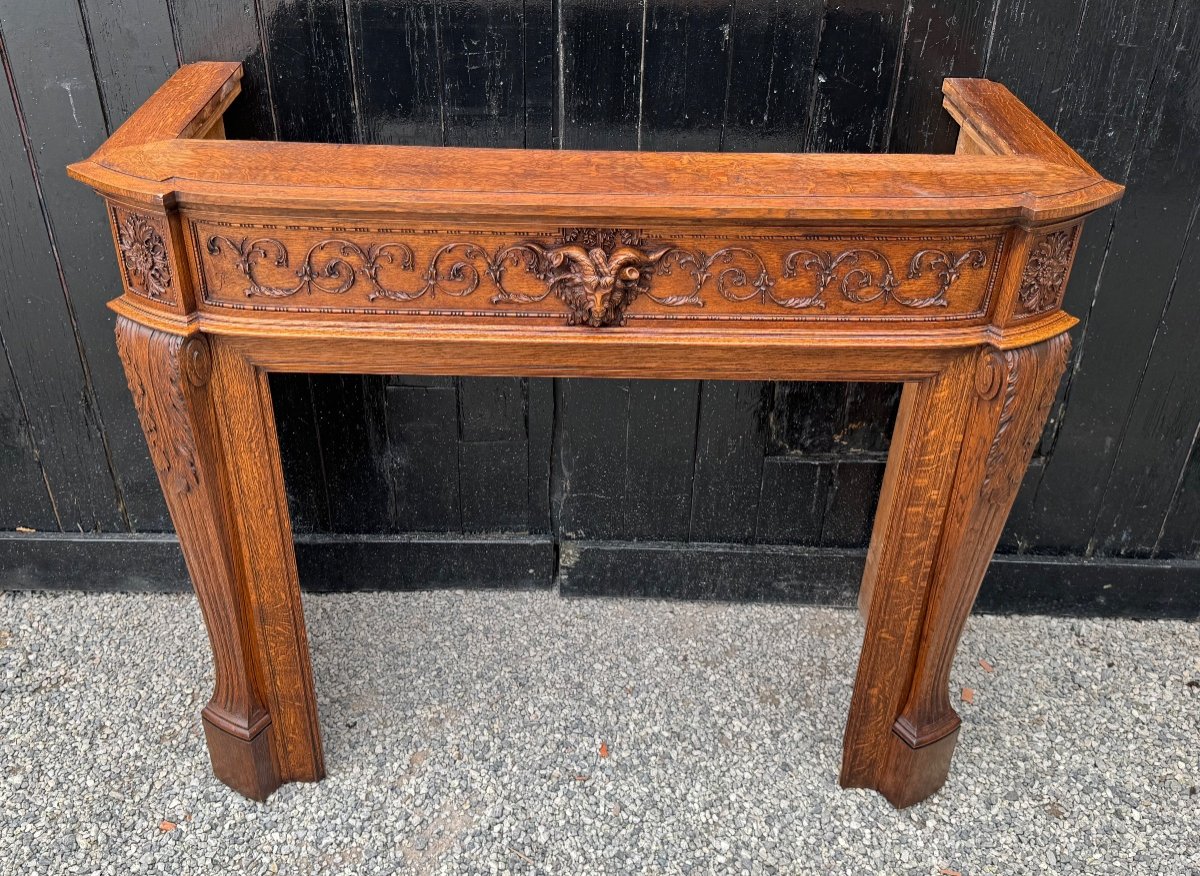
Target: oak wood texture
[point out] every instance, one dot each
(207, 418)
(943, 272)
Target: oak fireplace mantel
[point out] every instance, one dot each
(242, 258)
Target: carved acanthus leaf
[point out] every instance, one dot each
(162, 408)
(1006, 374)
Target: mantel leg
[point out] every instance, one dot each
(207, 416)
(962, 443)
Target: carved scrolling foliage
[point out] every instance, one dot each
(144, 255)
(860, 276)
(597, 273)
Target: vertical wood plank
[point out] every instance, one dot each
(491, 409)
(1180, 534)
(64, 119)
(42, 345)
(601, 44)
(481, 50)
(348, 412)
(399, 89)
(300, 450)
(539, 31)
(308, 62)
(842, 430)
(493, 464)
(423, 453)
(132, 50)
(805, 417)
(850, 505)
(25, 500)
(464, 86)
(540, 423)
(600, 62)
(396, 85)
(684, 75)
(660, 445)
(729, 461)
(493, 486)
(1098, 98)
(481, 46)
(1160, 426)
(772, 56)
(942, 38)
(462, 83)
(868, 418)
(1020, 53)
(794, 497)
(851, 104)
(589, 468)
(856, 74)
(227, 30)
(685, 64)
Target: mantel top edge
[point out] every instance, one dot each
(1032, 176)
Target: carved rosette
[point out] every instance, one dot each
(597, 273)
(145, 259)
(1044, 279)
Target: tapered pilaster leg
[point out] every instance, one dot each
(206, 413)
(962, 443)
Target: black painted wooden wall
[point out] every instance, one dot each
(1115, 485)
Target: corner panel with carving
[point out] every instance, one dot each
(144, 251)
(1047, 269)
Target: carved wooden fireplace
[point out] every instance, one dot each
(243, 258)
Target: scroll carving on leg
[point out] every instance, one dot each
(183, 415)
(937, 527)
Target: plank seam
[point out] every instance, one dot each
(91, 403)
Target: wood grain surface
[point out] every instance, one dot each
(240, 259)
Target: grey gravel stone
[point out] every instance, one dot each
(463, 734)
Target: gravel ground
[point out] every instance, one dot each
(466, 733)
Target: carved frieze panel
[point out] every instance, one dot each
(143, 248)
(595, 277)
(1044, 279)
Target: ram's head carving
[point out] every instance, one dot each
(597, 285)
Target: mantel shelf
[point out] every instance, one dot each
(1032, 175)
